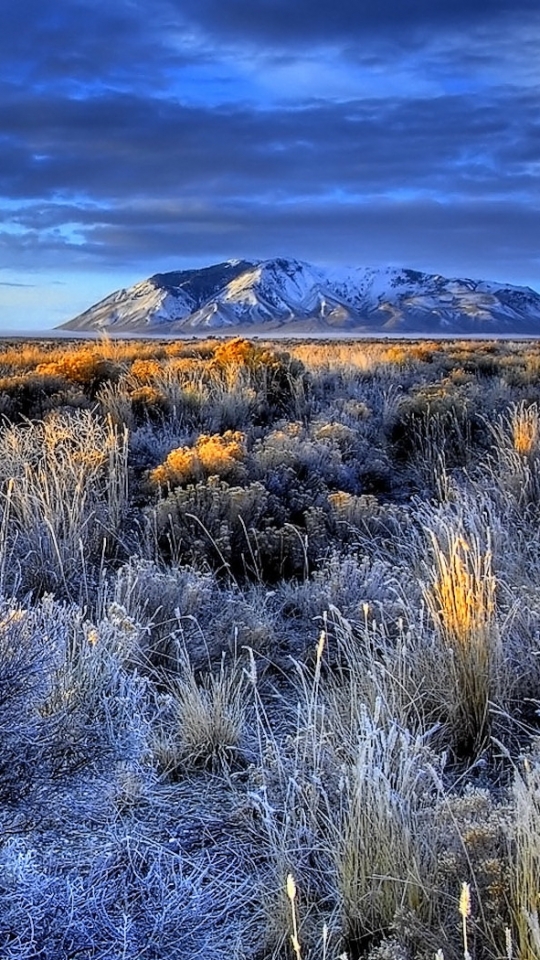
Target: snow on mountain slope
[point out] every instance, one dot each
(290, 295)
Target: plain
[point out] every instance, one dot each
(269, 649)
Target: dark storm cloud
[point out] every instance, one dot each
(417, 234)
(86, 44)
(121, 146)
(286, 22)
(363, 232)
(80, 44)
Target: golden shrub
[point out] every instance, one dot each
(145, 370)
(181, 365)
(214, 455)
(80, 366)
(237, 351)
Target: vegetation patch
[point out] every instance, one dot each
(269, 650)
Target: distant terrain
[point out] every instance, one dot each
(291, 298)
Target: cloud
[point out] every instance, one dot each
(475, 238)
(285, 23)
(121, 147)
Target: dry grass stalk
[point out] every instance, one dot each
(291, 893)
(465, 912)
(524, 835)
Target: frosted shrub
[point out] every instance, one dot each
(26, 664)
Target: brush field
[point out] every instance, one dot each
(269, 650)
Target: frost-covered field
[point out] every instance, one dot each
(269, 650)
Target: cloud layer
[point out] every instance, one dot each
(399, 131)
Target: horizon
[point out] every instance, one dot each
(351, 135)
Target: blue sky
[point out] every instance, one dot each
(140, 137)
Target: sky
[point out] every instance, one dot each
(139, 137)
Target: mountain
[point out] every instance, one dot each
(290, 296)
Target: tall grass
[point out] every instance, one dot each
(516, 435)
(383, 863)
(461, 597)
(524, 423)
(524, 835)
(65, 497)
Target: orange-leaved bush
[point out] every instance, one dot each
(236, 351)
(218, 455)
(80, 366)
(145, 370)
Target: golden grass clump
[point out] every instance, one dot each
(214, 455)
(525, 428)
(460, 596)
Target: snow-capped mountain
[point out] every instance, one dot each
(296, 297)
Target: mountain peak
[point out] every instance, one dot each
(292, 296)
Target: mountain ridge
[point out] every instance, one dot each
(288, 295)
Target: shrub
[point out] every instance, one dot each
(145, 370)
(275, 375)
(238, 531)
(219, 456)
(210, 522)
(26, 661)
(33, 395)
(83, 365)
